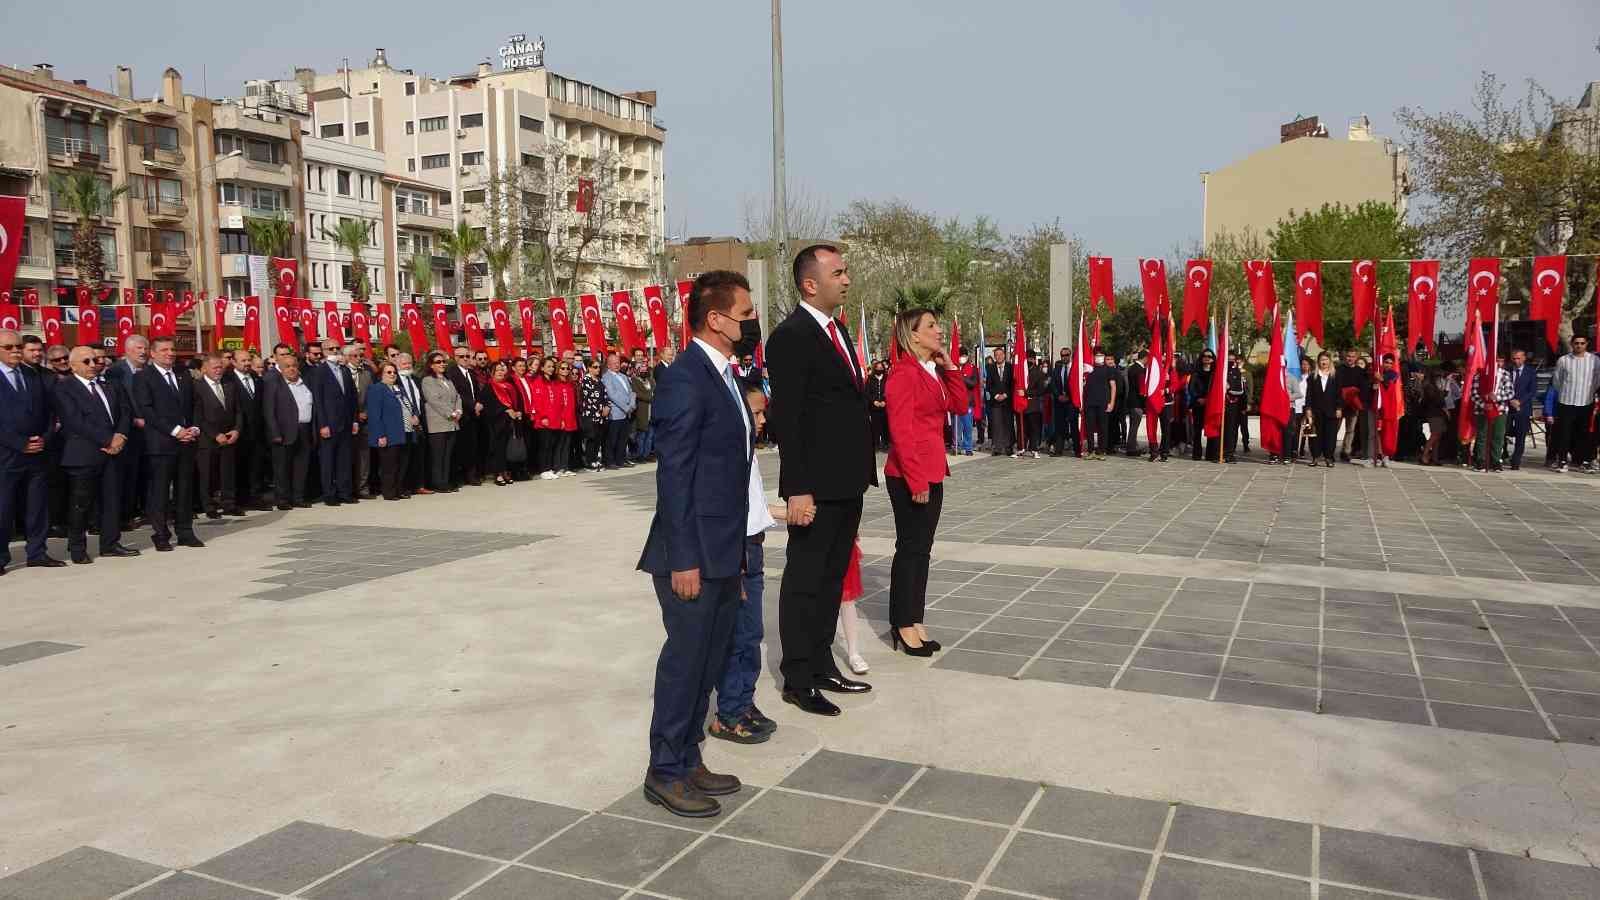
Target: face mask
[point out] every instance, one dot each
(963, 359)
(1099, 360)
(749, 337)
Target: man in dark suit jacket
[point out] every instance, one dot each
(129, 465)
(416, 458)
(218, 415)
(466, 457)
(336, 423)
(695, 553)
(1524, 387)
(819, 416)
(251, 457)
(997, 378)
(163, 396)
(1065, 413)
(25, 422)
(288, 411)
(94, 427)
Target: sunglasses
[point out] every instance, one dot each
(10, 346)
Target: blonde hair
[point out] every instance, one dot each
(907, 323)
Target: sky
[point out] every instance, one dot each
(1099, 116)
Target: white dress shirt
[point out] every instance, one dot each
(757, 518)
(302, 399)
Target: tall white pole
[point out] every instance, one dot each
(780, 204)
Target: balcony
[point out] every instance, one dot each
(229, 117)
(155, 157)
(235, 265)
(243, 168)
(64, 212)
(34, 267)
(169, 260)
(79, 152)
(165, 210)
(407, 218)
(443, 262)
(35, 208)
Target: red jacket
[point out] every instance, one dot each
(528, 393)
(566, 405)
(917, 408)
(544, 405)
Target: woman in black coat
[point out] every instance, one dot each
(1323, 403)
(502, 411)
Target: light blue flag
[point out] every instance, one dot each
(1291, 348)
(1211, 335)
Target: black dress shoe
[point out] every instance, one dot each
(81, 559)
(191, 541)
(842, 685)
(163, 547)
(331, 502)
(118, 550)
(811, 701)
(45, 562)
(213, 514)
(236, 511)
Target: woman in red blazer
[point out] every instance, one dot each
(545, 417)
(923, 387)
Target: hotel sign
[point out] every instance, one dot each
(519, 53)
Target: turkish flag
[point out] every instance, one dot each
(125, 318)
(284, 315)
(13, 219)
(1363, 293)
(561, 325)
(1081, 354)
(188, 303)
(1153, 277)
(1275, 404)
(504, 338)
(1102, 288)
(1483, 286)
(1196, 294)
(584, 201)
(441, 329)
(384, 316)
(660, 328)
(1422, 300)
(50, 317)
(627, 326)
(10, 312)
(1263, 287)
(1308, 298)
(1019, 366)
(1548, 289)
(1155, 399)
(1476, 351)
(471, 330)
(220, 309)
(252, 323)
(1388, 340)
(593, 327)
(685, 288)
(1217, 396)
(333, 328)
(955, 340)
(530, 324)
(360, 323)
(285, 275)
(160, 315)
(411, 321)
(88, 318)
(308, 318)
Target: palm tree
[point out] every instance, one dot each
(463, 244)
(351, 236)
(498, 256)
(421, 266)
(88, 198)
(925, 296)
(269, 236)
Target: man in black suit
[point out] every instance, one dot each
(466, 458)
(129, 465)
(997, 378)
(25, 421)
(94, 428)
(826, 461)
(1524, 388)
(250, 451)
(1065, 413)
(288, 407)
(163, 396)
(336, 422)
(416, 455)
(220, 420)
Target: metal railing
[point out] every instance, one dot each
(77, 148)
(107, 209)
(169, 259)
(161, 156)
(39, 262)
(157, 208)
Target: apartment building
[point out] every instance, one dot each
(344, 183)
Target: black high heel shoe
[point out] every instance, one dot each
(897, 643)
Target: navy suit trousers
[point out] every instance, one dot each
(333, 453)
(23, 486)
(691, 663)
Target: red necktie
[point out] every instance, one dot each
(833, 332)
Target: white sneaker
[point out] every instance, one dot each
(858, 665)
(547, 476)
(1017, 455)
(1035, 454)
(565, 473)
(1562, 468)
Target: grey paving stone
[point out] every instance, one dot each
(1561, 679)
(620, 851)
(1578, 731)
(1274, 651)
(1102, 817)
(1002, 664)
(183, 886)
(1502, 695)
(969, 795)
(1062, 671)
(1173, 661)
(803, 822)
(853, 881)
(1003, 643)
(1116, 618)
(291, 857)
(1190, 643)
(1297, 634)
(1460, 650)
(1392, 663)
(1005, 625)
(1276, 696)
(1222, 627)
(930, 845)
(634, 805)
(1181, 879)
(1102, 634)
(517, 883)
(1467, 670)
(1369, 706)
(1271, 672)
(82, 874)
(1263, 843)
(722, 869)
(853, 777)
(499, 826)
(1396, 864)
(1506, 876)
(1173, 684)
(32, 650)
(1491, 721)
(1358, 681)
(1054, 867)
(405, 872)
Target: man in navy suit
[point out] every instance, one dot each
(24, 424)
(695, 552)
(163, 396)
(336, 423)
(129, 467)
(94, 429)
(1524, 385)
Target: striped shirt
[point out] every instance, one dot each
(1574, 383)
(1502, 391)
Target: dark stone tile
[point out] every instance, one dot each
(1296, 634)
(1271, 672)
(1561, 679)
(1503, 695)
(722, 869)
(853, 881)
(1084, 651)
(1359, 681)
(1044, 611)
(517, 883)
(1181, 879)
(1089, 674)
(1275, 651)
(1054, 867)
(930, 845)
(1194, 625)
(620, 851)
(1467, 670)
(32, 650)
(1569, 704)
(1174, 661)
(1275, 844)
(405, 872)
(1103, 634)
(1369, 706)
(1146, 681)
(1578, 731)
(291, 857)
(799, 821)
(81, 874)
(1492, 721)
(1101, 817)
(1461, 650)
(979, 663)
(853, 777)
(1276, 696)
(1006, 625)
(499, 826)
(1506, 876)
(1392, 663)
(183, 886)
(1002, 643)
(967, 604)
(1192, 643)
(1396, 864)
(969, 796)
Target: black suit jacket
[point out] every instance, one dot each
(86, 426)
(997, 382)
(468, 387)
(1323, 401)
(249, 402)
(818, 412)
(22, 418)
(280, 414)
(217, 418)
(335, 401)
(414, 391)
(162, 409)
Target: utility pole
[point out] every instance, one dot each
(780, 204)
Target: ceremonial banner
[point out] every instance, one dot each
(1196, 294)
(505, 340)
(1153, 278)
(593, 328)
(1308, 297)
(1263, 288)
(471, 329)
(125, 319)
(360, 324)
(285, 275)
(1549, 289)
(1483, 286)
(332, 328)
(50, 319)
(1217, 397)
(441, 329)
(1476, 351)
(561, 325)
(1422, 300)
(1102, 289)
(411, 320)
(685, 288)
(10, 312)
(13, 219)
(161, 324)
(385, 319)
(660, 328)
(1363, 293)
(1019, 368)
(1275, 405)
(252, 323)
(627, 328)
(530, 327)
(219, 309)
(283, 314)
(88, 318)
(308, 319)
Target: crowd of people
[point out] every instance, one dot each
(92, 445)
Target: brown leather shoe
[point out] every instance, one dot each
(713, 785)
(680, 798)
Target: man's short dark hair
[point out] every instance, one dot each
(154, 342)
(280, 347)
(316, 344)
(805, 262)
(30, 339)
(713, 290)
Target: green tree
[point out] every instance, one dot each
(462, 244)
(89, 199)
(1369, 231)
(269, 235)
(351, 236)
(499, 256)
(421, 267)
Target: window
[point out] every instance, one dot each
(268, 199)
(411, 88)
(342, 185)
(260, 151)
(472, 120)
(333, 131)
(362, 129)
(369, 187)
(415, 201)
(472, 196)
(411, 164)
(411, 126)
(169, 190)
(228, 192)
(474, 158)
(73, 135)
(436, 161)
(235, 242)
(529, 123)
(162, 136)
(405, 282)
(347, 278)
(533, 161)
(435, 123)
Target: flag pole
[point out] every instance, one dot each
(1220, 370)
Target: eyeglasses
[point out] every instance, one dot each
(10, 346)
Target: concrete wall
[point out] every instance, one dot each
(1299, 175)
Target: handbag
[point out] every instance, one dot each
(516, 450)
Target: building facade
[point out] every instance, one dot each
(344, 184)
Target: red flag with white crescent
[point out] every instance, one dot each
(252, 323)
(1275, 404)
(1082, 355)
(361, 323)
(88, 318)
(1472, 340)
(1549, 289)
(441, 329)
(1363, 293)
(627, 327)
(684, 289)
(656, 307)
(472, 329)
(188, 303)
(1422, 298)
(593, 327)
(1196, 294)
(160, 316)
(1019, 375)
(308, 318)
(50, 318)
(1154, 387)
(1483, 286)
(285, 275)
(10, 312)
(504, 338)
(1308, 297)
(13, 219)
(333, 326)
(1102, 287)
(1217, 396)
(283, 313)
(125, 319)
(1263, 287)
(411, 322)
(561, 325)
(530, 324)
(1153, 278)
(219, 308)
